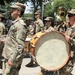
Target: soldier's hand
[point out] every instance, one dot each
(67, 37)
(10, 63)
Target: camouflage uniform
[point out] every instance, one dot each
(30, 31)
(2, 31)
(2, 26)
(67, 69)
(14, 47)
(49, 26)
(39, 26)
(30, 27)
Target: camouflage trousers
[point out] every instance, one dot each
(67, 69)
(11, 70)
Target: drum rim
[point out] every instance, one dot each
(66, 60)
(43, 33)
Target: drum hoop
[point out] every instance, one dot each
(43, 33)
(66, 60)
(57, 67)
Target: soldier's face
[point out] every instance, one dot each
(15, 12)
(47, 23)
(37, 15)
(71, 19)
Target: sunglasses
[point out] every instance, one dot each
(48, 21)
(70, 15)
(36, 14)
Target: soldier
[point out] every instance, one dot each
(49, 24)
(2, 31)
(30, 27)
(30, 33)
(60, 18)
(39, 26)
(15, 42)
(2, 26)
(67, 69)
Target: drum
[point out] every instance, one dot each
(33, 42)
(27, 42)
(51, 50)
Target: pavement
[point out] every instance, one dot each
(31, 70)
(27, 70)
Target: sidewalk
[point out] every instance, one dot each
(31, 70)
(27, 70)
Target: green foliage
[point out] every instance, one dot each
(67, 4)
(2, 2)
(27, 15)
(50, 9)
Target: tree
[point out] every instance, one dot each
(67, 4)
(50, 9)
(5, 5)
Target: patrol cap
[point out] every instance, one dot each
(1, 16)
(72, 11)
(23, 6)
(38, 12)
(48, 18)
(19, 6)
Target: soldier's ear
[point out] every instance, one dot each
(19, 12)
(74, 17)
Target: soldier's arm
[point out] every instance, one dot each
(20, 38)
(72, 38)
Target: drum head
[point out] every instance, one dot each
(52, 51)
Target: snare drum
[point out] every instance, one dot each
(51, 50)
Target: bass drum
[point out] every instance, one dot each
(51, 50)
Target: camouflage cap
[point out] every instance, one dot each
(23, 6)
(38, 12)
(29, 18)
(1, 16)
(48, 18)
(19, 6)
(72, 11)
